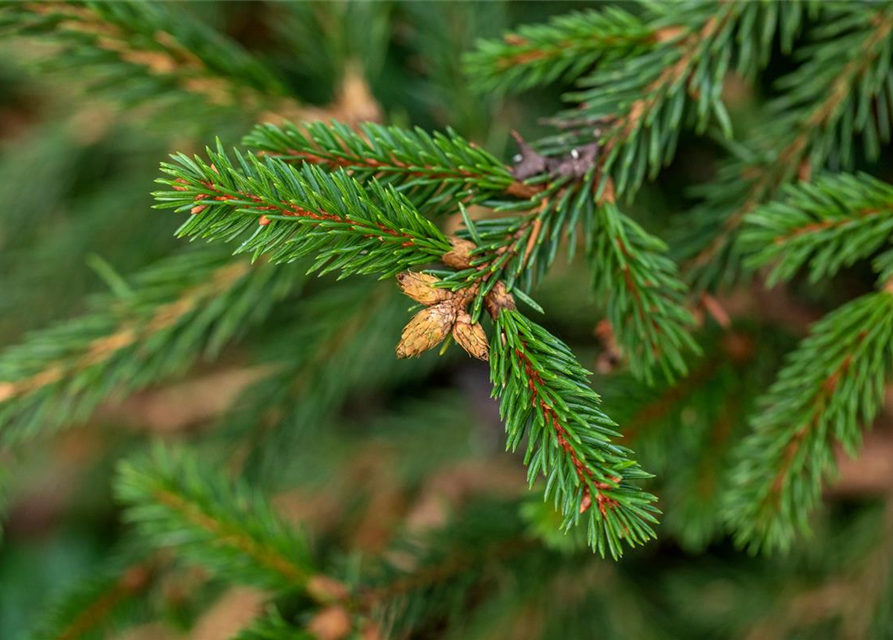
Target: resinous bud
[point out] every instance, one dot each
(420, 287)
(426, 330)
(471, 337)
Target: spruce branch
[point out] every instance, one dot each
(545, 396)
(149, 51)
(561, 49)
(645, 298)
(439, 172)
(95, 606)
(434, 171)
(830, 387)
(292, 213)
(826, 225)
(569, 45)
(684, 431)
(840, 90)
(176, 501)
(176, 310)
(635, 106)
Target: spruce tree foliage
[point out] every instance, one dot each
(139, 52)
(826, 226)
(175, 501)
(179, 309)
(741, 328)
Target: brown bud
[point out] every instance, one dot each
(420, 287)
(498, 299)
(426, 330)
(332, 623)
(459, 257)
(471, 337)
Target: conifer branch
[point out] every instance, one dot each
(655, 104)
(645, 298)
(434, 171)
(830, 98)
(150, 51)
(292, 213)
(684, 431)
(439, 172)
(562, 49)
(635, 106)
(184, 306)
(545, 396)
(825, 225)
(175, 501)
(830, 386)
(91, 608)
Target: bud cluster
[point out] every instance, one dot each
(445, 311)
(444, 314)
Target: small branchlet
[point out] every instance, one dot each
(547, 402)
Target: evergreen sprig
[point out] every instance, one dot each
(636, 105)
(545, 397)
(644, 296)
(840, 92)
(139, 51)
(173, 312)
(100, 604)
(434, 170)
(176, 501)
(295, 212)
(562, 49)
(519, 249)
(684, 431)
(440, 171)
(825, 225)
(830, 387)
